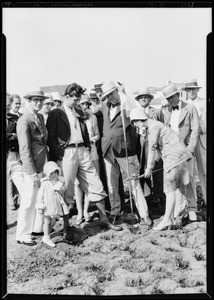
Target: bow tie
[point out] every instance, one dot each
(175, 107)
(117, 104)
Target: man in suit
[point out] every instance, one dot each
(144, 98)
(114, 146)
(32, 138)
(192, 88)
(69, 146)
(183, 119)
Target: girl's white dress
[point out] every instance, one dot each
(51, 198)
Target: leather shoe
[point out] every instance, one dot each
(111, 226)
(30, 243)
(192, 216)
(148, 221)
(37, 233)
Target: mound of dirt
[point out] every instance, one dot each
(134, 261)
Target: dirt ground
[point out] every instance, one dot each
(134, 261)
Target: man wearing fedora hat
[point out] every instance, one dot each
(97, 89)
(69, 145)
(192, 89)
(183, 119)
(32, 138)
(115, 122)
(144, 97)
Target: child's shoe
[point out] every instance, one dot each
(48, 241)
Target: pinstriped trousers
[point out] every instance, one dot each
(112, 167)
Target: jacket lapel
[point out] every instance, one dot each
(183, 112)
(64, 116)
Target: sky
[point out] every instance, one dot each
(139, 47)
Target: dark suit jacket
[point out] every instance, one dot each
(59, 132)
(113, 133)
(32, 143)
(188, 125)
(11, 139)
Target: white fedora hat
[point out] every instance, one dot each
(138, 114)
(37, 92)
(49, 99)
(145, 92)
(170, 90)
(107, 88)
(191, 84)
(56, 96)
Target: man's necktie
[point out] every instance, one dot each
(38, 123)
(175, 107)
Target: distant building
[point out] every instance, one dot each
(54, 88)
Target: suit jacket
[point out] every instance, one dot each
(113, 133)
(188, 125)
(59, 132)
(32, 143)
(12, 140)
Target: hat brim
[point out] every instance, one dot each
(107, 93)
(35, 95)
(191, 87)
(150, 96)
(168, 96)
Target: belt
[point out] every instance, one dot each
(75, 145)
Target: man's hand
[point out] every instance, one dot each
(147, 173)
(36, 179)
(41, 211)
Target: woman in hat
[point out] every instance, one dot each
(163, 139)
(47, 106)
(94, 136)
(50, 201)
(57, 100)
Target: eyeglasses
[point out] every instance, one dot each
(36, 100)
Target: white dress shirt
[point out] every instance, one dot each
(76, 134)
(175, 118)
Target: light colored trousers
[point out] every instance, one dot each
(201, 154)
(112, 167)
(14, 170)
(76, 162)
(27, 210)
(189, 200)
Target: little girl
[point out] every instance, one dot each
(50, 200)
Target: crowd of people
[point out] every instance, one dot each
(66, 151)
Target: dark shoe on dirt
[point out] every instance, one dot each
(110, 226)
(30, 243)
(37, 233)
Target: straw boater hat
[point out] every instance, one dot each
(50, 167)
(138, 114)
(191, 84)
(144, 92)
(107, 88)
(85, 98)
(37, 92)
(56, 96)
(170, 90)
